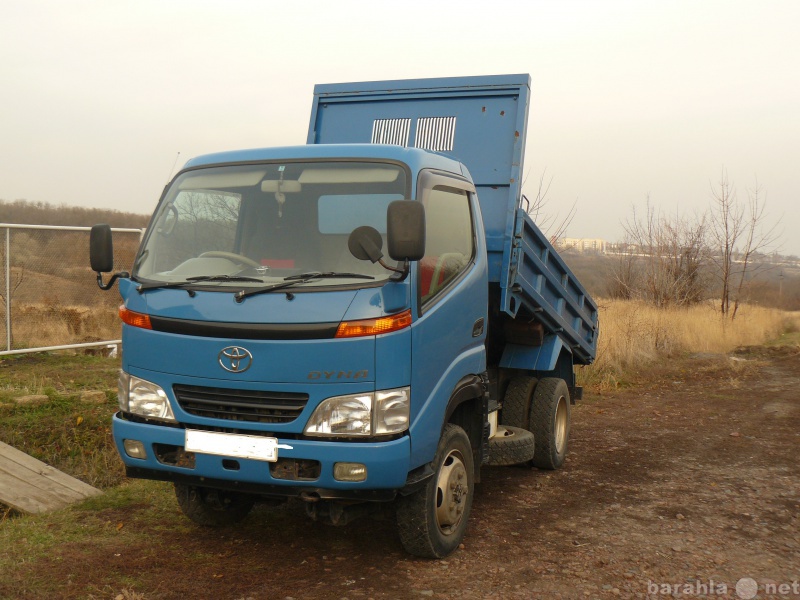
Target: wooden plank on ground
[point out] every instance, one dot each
(31, 486)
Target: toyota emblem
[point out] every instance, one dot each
(235, 359)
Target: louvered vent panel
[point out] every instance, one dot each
(391, 131)
(435, 133)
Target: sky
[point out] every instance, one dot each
(631, 99)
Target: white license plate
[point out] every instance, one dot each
(230, 444)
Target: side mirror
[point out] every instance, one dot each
(101, 255)
(101, 249)
(405, 230)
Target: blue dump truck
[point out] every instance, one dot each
(361, 323)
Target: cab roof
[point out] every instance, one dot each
(416, 159)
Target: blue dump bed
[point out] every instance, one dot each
(482, 123)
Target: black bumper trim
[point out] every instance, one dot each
(287, 491)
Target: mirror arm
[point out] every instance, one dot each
(403, 273)
(114, 277)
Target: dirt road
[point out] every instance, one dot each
(681, 487)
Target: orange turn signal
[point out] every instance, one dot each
(374, 326)
(134, 319)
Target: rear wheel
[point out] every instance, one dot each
(517, 401)
(550, 422)
(432, 521)
(213, 508)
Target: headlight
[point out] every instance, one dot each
(123, 387)
(143, 398)
(380, 413)
(342, 415)
(392, 408)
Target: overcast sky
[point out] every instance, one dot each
(629, 98)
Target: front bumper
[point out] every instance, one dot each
(387, 465)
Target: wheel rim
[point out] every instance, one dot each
(452, 493)
(561, 423)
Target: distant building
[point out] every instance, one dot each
(583, 244)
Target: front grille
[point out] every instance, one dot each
(240, 405)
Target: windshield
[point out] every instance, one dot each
(254, 225)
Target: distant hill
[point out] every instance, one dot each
(44, 213)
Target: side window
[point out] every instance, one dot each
(448, 240)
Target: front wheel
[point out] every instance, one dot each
(213, 508)
(432, 521)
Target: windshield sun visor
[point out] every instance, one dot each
(199, 181)
(351, 175)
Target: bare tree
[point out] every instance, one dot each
(552, 226)
(726, 228)
(738, 232)
(664, 260)
(624, 280)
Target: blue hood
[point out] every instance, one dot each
(299, 349)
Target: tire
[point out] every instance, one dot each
(432, 521)
(213, 508)
(550, 422)
(517, 401)
(511, 446)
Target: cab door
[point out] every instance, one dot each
(451, 306)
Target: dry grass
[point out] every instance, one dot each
(45, 324)
(634, 334)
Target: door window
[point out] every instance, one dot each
(449, 240)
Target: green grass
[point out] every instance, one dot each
(791, 338)
(70, 435)
(791, 332)
(125, 516)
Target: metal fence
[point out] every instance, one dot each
(48, 292)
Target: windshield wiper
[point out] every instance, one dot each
(196, 279)
(223, 278)
(329, 274)
(297, 280)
